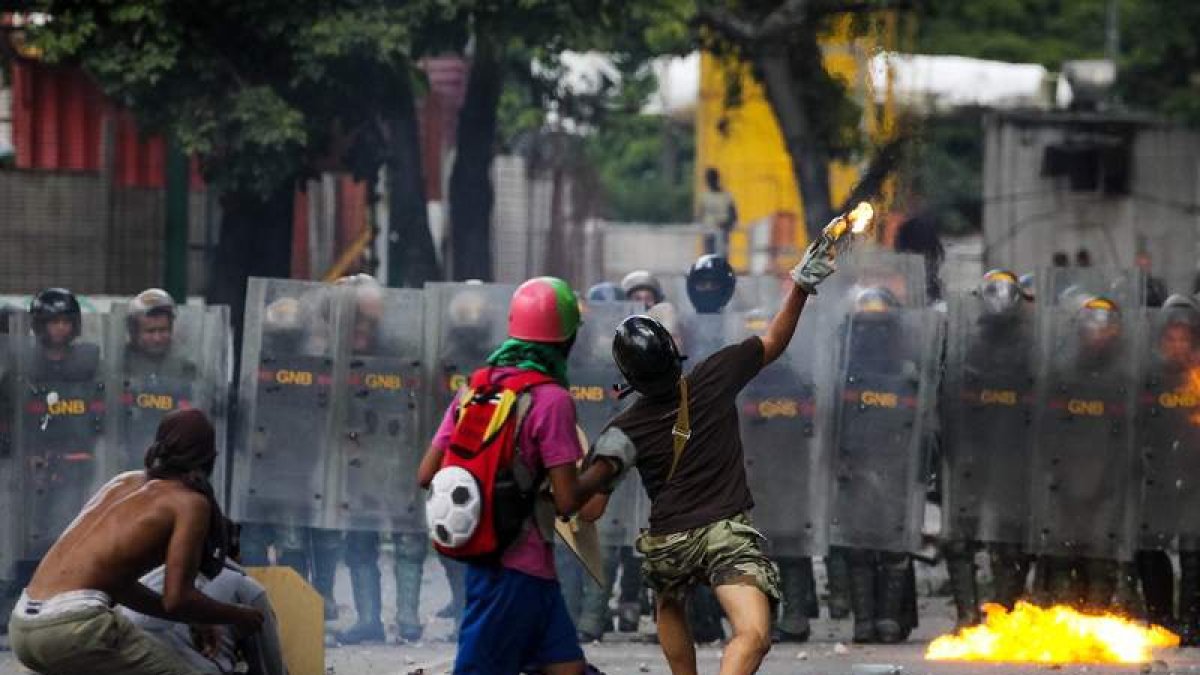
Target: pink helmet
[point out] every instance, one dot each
(543, 309)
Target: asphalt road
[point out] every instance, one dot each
(828, 653)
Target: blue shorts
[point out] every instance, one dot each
(513, 621)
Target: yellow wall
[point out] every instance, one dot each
(744, 143)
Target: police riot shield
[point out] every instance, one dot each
(164, 365)
(464, 323)
(883, 381)
(1168, 428)
(1084, 472)
(593, 376)
(987, 420)
(63, 430)
(285, 413)
(379, 393)
(885, 389)
(700, 335)
(10, 511)
(786, 465)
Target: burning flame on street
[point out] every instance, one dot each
(1058, 634)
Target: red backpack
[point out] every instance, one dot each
(484, 443)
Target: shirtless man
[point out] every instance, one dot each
(65, 621)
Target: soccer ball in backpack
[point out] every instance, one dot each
(454, 505)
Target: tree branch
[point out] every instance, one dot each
(783, 19)
(732, 27)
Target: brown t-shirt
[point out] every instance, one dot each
(710, 482)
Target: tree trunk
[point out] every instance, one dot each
(471, 193)
(809, 153)
(256, 235)
(412, 259)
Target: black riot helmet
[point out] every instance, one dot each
(875, 302)
(647, 356)
(52, 303)
(710, 284)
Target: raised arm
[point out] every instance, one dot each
(812, 270)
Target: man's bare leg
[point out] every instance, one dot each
(675, 636)
(749, 611)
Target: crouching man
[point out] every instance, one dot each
(684, 433)
(165, 515)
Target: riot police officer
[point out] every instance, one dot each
(1084, 448)
(152, 367)
(1166, 426)
(879, 364)
(60, 393)
(986, 428)
(643, 288)
(362, 546)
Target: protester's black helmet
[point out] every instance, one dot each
(710, 284)
(52, 303)
(647, 356)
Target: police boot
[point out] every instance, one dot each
(368, 596)
(1101, 583)
(861, 575)
(1189, 595)
(327, 551)
(837, 575)
(960, 563)
(411, 550)
(793, 620)
(629, 602)
(1060, 583)
(1158, 586)
(892, 585)
(704, 616)
(1009, 569)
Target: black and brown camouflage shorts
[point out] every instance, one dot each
(725, 552)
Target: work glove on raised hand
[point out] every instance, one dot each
(817, 264)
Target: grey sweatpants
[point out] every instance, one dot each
(93, 640)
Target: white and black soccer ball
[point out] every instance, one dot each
(453, 508)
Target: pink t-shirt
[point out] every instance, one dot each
(547, 439)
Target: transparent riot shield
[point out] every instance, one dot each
(593, 375)
(379, 382)
(62, 428)
(883, 389)
(700, 336)
(285, 413)
(1168, 429)
(464, 323)
(10, 499)
(786, 466)
(1084, 471)
(987, 421)
(218, 341)
(157, 375)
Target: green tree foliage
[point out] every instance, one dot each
(1023, 31)
(262, 92)
(1160, 68)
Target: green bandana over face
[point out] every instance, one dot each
(544, 358)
